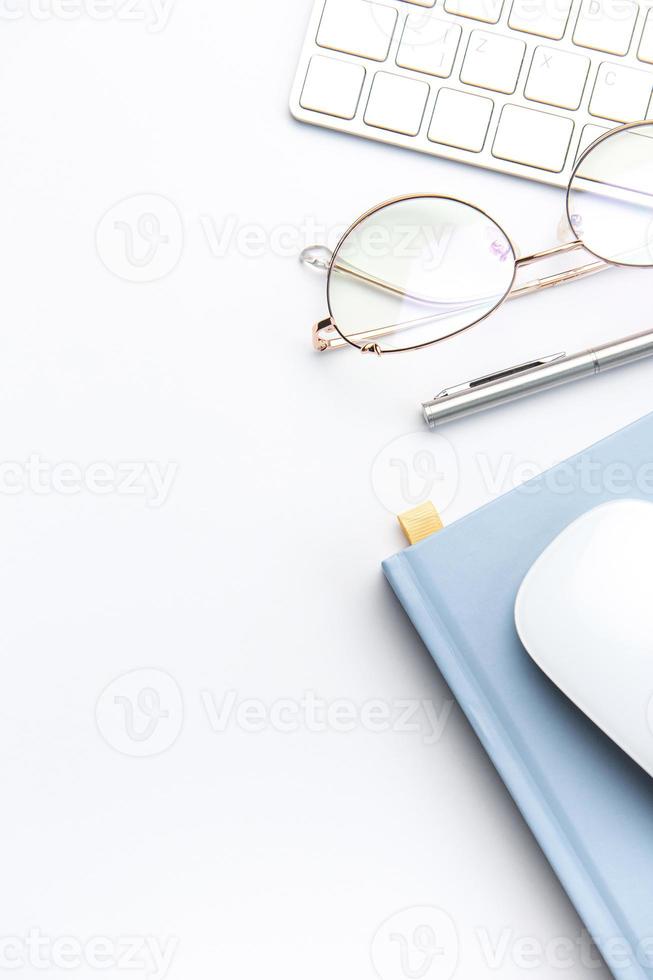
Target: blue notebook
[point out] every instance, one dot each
(588, 804)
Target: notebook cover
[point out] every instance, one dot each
(588, 804)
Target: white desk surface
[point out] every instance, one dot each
(242, 852)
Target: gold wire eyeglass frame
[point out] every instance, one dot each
(326, 334)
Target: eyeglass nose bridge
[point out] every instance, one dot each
(547, 253)
(558, 278)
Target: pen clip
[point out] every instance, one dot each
(500, 375)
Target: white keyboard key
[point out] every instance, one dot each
(645, 52)
(429, 45)
(536, 139)
(396, 103)
(486, 10)
(422, 3)
(620, 93)
(332, 87)
(545, 18)
(557, 77)
(357, 27)
(606, 25)
(461, 120)
(493, 62)
(589, 134)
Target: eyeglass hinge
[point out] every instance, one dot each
(319, 343)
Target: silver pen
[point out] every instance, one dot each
(538, 375)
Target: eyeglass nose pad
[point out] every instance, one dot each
(317, 257)
(568, 232)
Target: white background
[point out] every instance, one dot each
(271, 853)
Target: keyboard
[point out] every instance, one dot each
(517, 86)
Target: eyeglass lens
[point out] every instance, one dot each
(418, 270)
(610, 200)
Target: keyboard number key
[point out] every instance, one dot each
(645, 52)
(536, 139)
(621, 94)
(461, 120)
(493, 62)
(485, 10)
(429, 45)
(606, 25)
(396, 103)
(545, 18)
(357, 27)
(332, 87)
(557, 78)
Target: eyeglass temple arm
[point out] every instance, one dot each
(326, 337)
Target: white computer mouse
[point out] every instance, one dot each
(584, 613)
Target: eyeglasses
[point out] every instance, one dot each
(417, 270)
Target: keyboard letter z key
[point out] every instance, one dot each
(493, 62)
